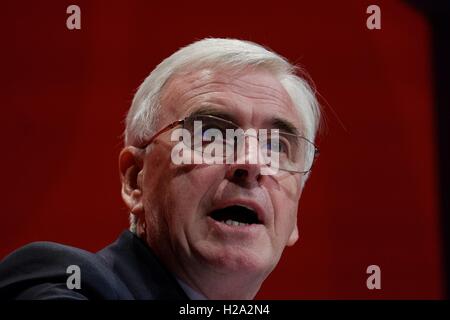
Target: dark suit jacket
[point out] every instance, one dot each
(126, 269)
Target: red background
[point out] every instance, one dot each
(372, 198)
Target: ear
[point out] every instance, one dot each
(293, 237)
(131, 171)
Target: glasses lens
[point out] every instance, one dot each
(207, 131)
(296, 153)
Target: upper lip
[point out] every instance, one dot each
(248, 203)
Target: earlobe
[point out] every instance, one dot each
(293, 237)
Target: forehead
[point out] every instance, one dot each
(250, 95)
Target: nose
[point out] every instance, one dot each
(245, 175)
(245, 171)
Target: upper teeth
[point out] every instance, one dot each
(247, 207)
(235, 223)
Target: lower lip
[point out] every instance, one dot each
(250, 230)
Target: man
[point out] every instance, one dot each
(214, 224)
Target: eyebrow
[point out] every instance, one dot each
(213, 111)
(285, 126)
(276, 122)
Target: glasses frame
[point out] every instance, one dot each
(176, 123)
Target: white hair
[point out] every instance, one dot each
(213, 53)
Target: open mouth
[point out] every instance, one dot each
(236, 215)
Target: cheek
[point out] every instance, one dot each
(155, 186)
(285, 201)
(286, 212)
(189, 192)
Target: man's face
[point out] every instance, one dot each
(180, 200)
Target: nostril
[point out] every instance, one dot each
(240, 173)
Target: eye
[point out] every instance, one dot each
(209, 129)
(212, 135)
(277, 145)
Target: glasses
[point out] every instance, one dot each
(294, 153)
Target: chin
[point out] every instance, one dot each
(236, 259)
